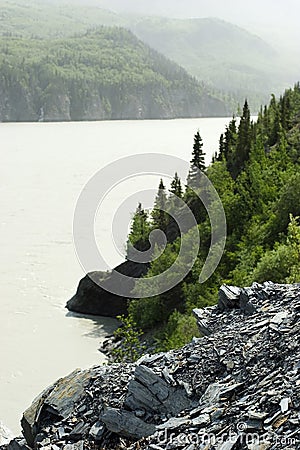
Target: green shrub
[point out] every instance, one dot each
(146, 312)
(130, 348)
(180, 330)
(282, 264)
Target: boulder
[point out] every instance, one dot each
(91, 298)
(125, 423)
(18, 444)
(56, 401)
(229, 297)
(149, 391)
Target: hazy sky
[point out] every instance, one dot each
(257, 10)
(274, 19)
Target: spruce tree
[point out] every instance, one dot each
(176, 188)
(176, 193)
(159, 215)
(140, 229)
(197, 162)
(244, 140)
(230, 141)
(198, 156)
(222, 148)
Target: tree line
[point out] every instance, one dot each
(101, 74)
(256, 174)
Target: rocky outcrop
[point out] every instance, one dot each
(60, 105)
(20, 102)
(90, 298)
(237, 387)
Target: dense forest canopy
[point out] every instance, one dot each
(107, 73)
(221, 54)
(231, 61)
(256, 174)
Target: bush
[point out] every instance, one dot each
(130, 348)
(180, 330)
(274, 265)
(146, 312)
(281, 265)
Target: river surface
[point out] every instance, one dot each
(43, 168)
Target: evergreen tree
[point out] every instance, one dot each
(244, 140)
(140, 229)
(174, 202)
(159, 215)
(230, 141)
(197, 162)
(198, 156)
(176, 188)
(215, 157)
(222, 148)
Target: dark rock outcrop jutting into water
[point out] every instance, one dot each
(237, 387)
(91, 298)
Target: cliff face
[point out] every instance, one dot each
(237, 387)
(24, 104)
(16, 103)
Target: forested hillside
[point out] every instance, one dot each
(221, 54)
(49, 19)
(256, 173)
(103, 74)
(233, 62)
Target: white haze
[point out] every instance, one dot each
(276, 21)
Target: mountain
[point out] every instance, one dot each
(219, 53)
(103, 74)
(224, 56)
(46, 19)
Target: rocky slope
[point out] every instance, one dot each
(237, 387)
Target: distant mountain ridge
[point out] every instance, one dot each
(217, 52)
(105, 74)
(232, 62)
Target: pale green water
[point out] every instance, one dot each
(43, 169)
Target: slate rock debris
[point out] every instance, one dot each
(237, 387)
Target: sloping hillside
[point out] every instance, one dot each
(224, 56)
(43, 18)
(219, 53)
(237, 387)
(107, 74)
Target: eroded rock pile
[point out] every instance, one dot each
(238, 387)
